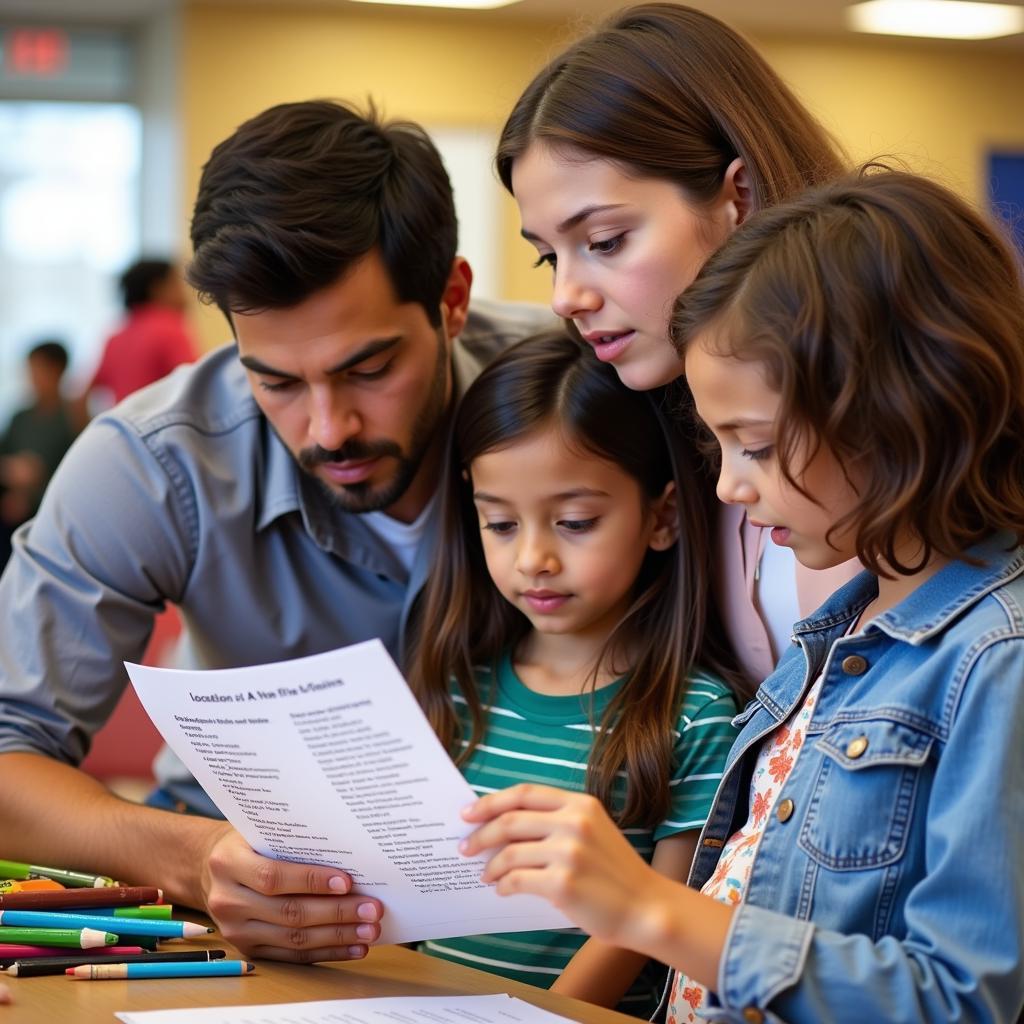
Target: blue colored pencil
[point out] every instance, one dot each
(117, 925)
(204, 969)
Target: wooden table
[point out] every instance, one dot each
(387, 971)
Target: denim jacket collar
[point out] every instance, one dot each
(926, 612)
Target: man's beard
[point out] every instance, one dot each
(362, 497)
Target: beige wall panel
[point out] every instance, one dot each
(938, 106)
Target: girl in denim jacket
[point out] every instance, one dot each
(858, 355)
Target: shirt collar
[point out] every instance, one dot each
(927, 611)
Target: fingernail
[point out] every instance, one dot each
(467, 810)
(356, 952)
(338, 884)
(366, 912)
(366, 931)
(464, 846)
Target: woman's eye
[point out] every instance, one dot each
(607, 245)
(545, 259)
(758, 454)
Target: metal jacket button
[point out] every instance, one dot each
(854, 665)
(785, 810)
(752, 1015)
(856, 747)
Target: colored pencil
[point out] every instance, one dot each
(74, 938)
(59, 964)
(160, 929)
(213, 968)
(159, 912)
(11, 954)
(74, 899)
(79, 879)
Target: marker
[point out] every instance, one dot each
(74, 938)
(78, 879)
(74, 899)
(214, 968)
(59, 964)
(157, 912)
(11, 954)
(9, 885)
(118, 925)
(149, 942)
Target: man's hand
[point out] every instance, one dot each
(284, 911)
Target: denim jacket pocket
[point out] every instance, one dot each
(863, 798)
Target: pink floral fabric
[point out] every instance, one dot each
(775, 761)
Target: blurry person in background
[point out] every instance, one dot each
(153, 340)
(35, 440)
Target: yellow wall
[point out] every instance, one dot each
(451, 70)
(941, 106)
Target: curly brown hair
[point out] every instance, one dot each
(889, 316)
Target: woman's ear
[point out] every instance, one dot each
(665, 510)
(737, 192)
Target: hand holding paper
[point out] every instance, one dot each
(328, 760)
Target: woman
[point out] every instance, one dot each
(633, 156)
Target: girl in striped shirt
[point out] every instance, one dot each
(567, 637)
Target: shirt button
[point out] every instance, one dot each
(784, 812)
(854, 665)
(752, 1015)
(856, 747)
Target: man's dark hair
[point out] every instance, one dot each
(138, 280)
(52, 352)
(300, 193)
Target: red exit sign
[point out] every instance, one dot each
(36, 52)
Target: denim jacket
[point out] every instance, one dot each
(893, 889)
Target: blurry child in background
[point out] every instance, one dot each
(35, 440)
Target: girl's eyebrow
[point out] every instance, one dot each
(745, 421)
(576, 218)
(576, 492)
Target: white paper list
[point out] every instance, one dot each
(329, 760)
(499, 1009)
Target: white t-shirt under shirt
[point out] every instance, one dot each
(403, 538)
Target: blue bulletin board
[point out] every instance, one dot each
(1006, 191)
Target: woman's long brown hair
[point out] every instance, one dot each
(669, 92)
(555, 380)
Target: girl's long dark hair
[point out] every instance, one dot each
(555, 380)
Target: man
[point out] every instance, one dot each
(278, 493)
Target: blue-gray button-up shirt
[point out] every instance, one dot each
(184, 494)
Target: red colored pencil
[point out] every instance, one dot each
(69, 899)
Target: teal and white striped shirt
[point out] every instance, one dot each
(533, 737)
